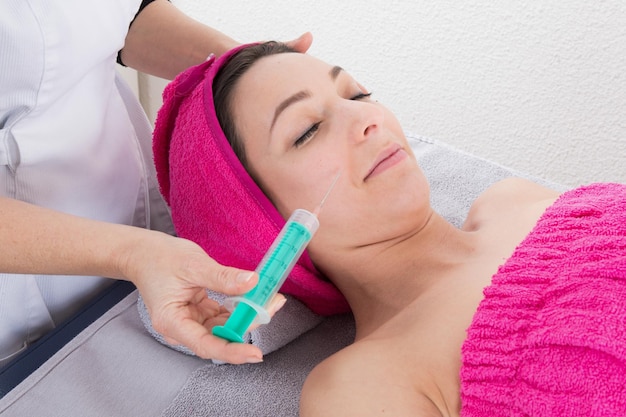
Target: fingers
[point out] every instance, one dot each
(195, 335)
(194, 332)
(276, 304)
(181, 311)
(227, 280)
(302, 43)
(197, 338)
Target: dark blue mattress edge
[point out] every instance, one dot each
(35, 355)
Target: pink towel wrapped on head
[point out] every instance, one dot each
(214, 202)
(549, 338)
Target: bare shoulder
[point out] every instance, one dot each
(510, 195)
(355, 382)
(515, 187)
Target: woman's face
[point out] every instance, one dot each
(302, 122)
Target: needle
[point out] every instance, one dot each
(317, 210)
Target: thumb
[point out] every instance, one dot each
(302, 43)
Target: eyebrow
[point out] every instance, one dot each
(301, 95)
(334, 72)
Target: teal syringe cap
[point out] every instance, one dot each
(244, 314)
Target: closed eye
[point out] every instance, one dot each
(361, 96)
(307, 135)
(315, 127)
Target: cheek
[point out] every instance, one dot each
(354, 218)
(304, 183)
(291, 187)
(276, 177)
(343, 220)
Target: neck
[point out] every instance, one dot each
(379, 281)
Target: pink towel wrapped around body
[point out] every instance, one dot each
(549, 338)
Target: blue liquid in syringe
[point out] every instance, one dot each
(279, 263)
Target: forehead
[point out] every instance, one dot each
(280, 74)
(270, 81)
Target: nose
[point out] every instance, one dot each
(364, 119)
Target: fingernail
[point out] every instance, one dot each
(254, 360)
(244, 277)
(280, 304)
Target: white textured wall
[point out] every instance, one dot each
(536, 85)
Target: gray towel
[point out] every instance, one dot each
(272, 388)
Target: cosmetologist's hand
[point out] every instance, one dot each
(171, 275)
(302, 43)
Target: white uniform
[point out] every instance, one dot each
(72, 138)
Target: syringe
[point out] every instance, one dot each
(273, 270)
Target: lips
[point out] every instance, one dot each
(389, 157)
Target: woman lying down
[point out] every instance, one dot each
(520, 312)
